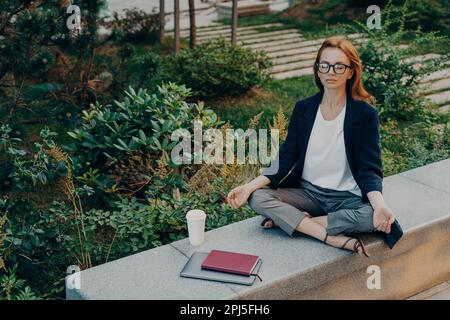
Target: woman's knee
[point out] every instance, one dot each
(351, 221)
(365, 219)
(257, 198)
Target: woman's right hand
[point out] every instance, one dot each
(238, 196)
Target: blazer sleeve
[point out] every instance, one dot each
(370, 170)
(287, 154)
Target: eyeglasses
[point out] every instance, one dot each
(339, 68)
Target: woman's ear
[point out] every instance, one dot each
(351, 74)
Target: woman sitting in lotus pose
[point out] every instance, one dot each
(329, 174)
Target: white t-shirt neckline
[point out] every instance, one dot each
(337, 117)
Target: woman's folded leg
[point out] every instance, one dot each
(285, 206)
(351, 220)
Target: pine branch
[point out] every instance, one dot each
(19, 7)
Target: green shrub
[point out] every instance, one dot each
(143, 71)
(124, 149)
(33, 230)
(412, 145)
(45, 71)
(391, 79)
(13, 288)
(135, 26)
(431, 15)
(40, 242)
(218, 68)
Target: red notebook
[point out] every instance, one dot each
(231, 262)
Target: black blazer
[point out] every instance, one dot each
(361, 138)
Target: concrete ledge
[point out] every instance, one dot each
(300, 267)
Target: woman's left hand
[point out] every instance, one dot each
(383, 218)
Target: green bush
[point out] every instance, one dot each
(142, 71)
(392, 79)
(41, 60)
(218, 68)
(136, 26)
(431, 15)
(64, 211)
(13, 288)
(118, 149)
(37, 226)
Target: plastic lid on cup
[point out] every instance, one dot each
(196, 214)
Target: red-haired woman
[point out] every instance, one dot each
(328, 181)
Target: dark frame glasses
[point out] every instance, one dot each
(328, 66)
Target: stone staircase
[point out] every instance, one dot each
(293, 56)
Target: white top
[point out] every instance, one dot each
(326, 163)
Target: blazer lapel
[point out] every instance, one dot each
(352, 132)
(306, 122)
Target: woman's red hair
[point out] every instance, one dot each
(355, 83)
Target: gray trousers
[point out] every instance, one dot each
(287, 206)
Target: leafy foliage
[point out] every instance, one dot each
(390, 76)
(217, 67)
(135, 26)
(124, 148)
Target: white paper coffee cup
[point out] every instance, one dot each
(196, 226)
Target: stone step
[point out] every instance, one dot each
(224, 29)
(293, 58)
(286, 44)
(403, 46)
(212, 26)
(286, 53)
(262, 37)
(296, 62)
(293, 66)
(267, 40)
(293, 73)
(443, 109)
(300, 54)
(422, 58)
(228, 31)
(434, 86)
(355, 37)
(222, 34)
(440, 97)
(441, 74)
(248, 34)
(277, 45)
